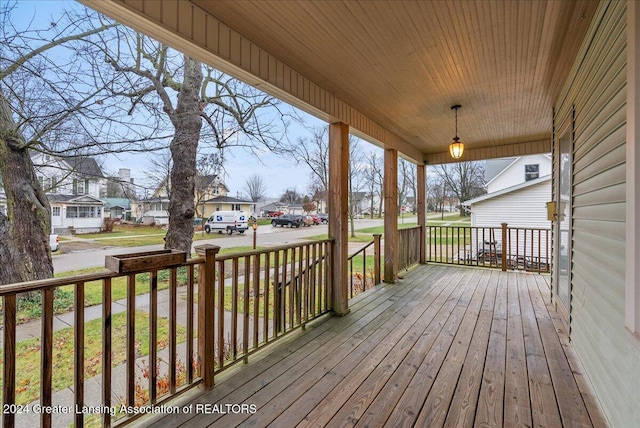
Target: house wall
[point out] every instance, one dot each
(211, 207)
(515, 173)
(596, 89)
(523, 208)
(520, 208)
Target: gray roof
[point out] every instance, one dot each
(87, 167)
(493, 167)
(229, 199)
(56, 197)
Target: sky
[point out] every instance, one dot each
(278, 172)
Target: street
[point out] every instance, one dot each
(266, 236)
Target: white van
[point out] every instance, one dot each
(229, 221)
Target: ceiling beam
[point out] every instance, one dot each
(480, 153)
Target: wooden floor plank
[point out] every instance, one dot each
(447, 346)
(490, 401)
(572, 408)
(437, 402)
(517, 406)
(593, 407)
(404, 356)
(462, 408)
(304, 396)
(543, 402)
(305, 373)
(419, 369)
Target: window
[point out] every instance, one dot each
(55, 211)
(235, 207)
(83, 212)
(54, 186)
(531, 172)
(86, 187)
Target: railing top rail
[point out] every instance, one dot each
(408, 228)
(24, 287)
(450, 226)
(271, 249)
(41, 284)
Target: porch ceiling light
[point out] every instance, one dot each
(456, 148)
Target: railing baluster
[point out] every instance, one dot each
(173, 321)
(106, 350)
(190, 303)
(78, 379)
(153, 336)
(300, 284)
(221, 311)
(245, 307)
(283, 293)
(131, 339)
(266, 286)
(292, 287)
(9, 358)
(276, 293)
(256, 298)
(46, 355)
(312, 291)
(234, 308)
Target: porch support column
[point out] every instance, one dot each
(390, 215)
(422, 211)
(632, 274)
(338, 204)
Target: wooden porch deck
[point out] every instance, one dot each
(446, 346)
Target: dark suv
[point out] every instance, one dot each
(291, 220)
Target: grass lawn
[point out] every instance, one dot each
(28, 352)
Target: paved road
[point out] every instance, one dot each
(267, 236)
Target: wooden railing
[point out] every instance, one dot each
(408, 247)
(502, 247)
(367, 267)
(242, 302)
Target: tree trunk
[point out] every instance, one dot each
(187, 123)
(24, 233)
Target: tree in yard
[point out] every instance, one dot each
(314, 153)
(201, 107)
(465, 180)
(47, 101)
(255, 187)
(290, 196)
(309, 206)
(406, 181)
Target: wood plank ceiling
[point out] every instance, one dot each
(403, 64)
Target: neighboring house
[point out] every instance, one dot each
(75, 213)
(117, 208)
(73, 187)
(152, 210)
(360, 202)
(507, 172)
(270, 206)
(227, 203)
(520, 206)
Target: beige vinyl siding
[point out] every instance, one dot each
(597, 90)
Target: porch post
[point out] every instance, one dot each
(390, 215)
(632, 269)
(422, 211)
(206, 313)
(338, 224)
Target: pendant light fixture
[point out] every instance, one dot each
(456, 148)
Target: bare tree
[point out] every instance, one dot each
(356, 182)
(372, 177)
(255, 187)
(290, 196)
(406, 181)
(314, 152)
(464, 179)
(45, 98)
(203, 107)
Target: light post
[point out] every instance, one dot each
(255, 230)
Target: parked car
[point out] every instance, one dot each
(324, 218)
(307, 220)
(54, 242)
(291, 220)
(316, 219)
